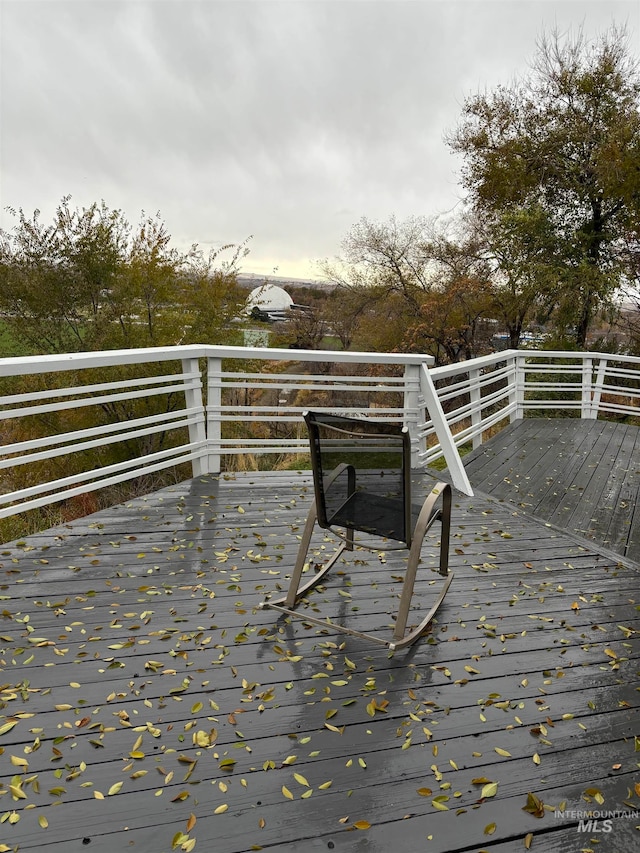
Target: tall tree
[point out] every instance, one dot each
(564, 141)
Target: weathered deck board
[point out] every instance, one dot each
(581, 476)
(142, 623)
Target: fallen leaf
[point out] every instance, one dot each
(489, 790)
(534, 805)
(596, 794)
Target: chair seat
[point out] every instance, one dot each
(373, 514)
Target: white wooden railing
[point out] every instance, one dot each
(483, 394)
(221, 408)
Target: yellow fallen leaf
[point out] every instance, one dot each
(301, 780)
(44, 823)
(98, 795)
(221, 809)
(596, 794)
(17, 793)
(490, 828)
(114, 788)
(504, 752)
(489, 790)
(362, 824)
(287, 793)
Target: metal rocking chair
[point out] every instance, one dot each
(362, 481)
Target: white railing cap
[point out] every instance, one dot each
(77, 360)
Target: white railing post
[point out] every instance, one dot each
(475, 398)
(517, 390)
(214, 413)
(592, 394)
(586, 407)
(410, 418)
(438, 418)
(193, 400)
(596, 396)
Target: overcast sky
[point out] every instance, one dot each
(284, 120)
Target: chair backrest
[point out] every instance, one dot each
(361, 474)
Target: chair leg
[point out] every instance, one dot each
(295, 592)
(428, 514)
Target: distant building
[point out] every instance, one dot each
(269, 303)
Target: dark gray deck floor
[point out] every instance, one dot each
(582, 476)
(146, 705)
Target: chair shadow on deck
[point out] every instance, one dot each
(362, 482)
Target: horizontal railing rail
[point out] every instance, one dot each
(76, 423)
(483, 394)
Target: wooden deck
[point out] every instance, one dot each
(147, 705)
(582, 476)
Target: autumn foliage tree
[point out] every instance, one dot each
(88, 281)
(558, 154)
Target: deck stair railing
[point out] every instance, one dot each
(222, 408)
(483, 394)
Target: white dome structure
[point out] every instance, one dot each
(268, 298)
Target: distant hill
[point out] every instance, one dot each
(251, 280)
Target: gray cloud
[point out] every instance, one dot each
(285, 120)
